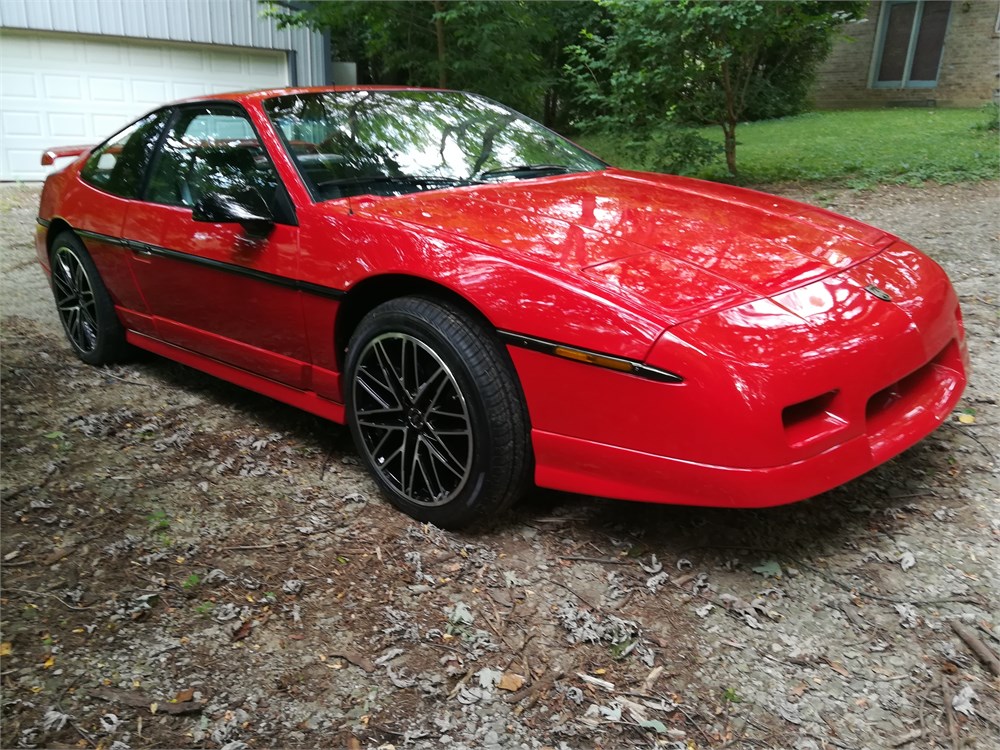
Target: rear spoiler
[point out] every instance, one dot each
(59, 152)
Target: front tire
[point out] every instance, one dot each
(436, 412)
(84, 305)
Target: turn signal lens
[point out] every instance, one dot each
(593, 359)
(618, 364)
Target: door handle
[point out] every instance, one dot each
(139, 248)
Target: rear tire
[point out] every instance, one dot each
(437, 413)
(84, 305)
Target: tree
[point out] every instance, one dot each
(704, 61)
(562, 23)
(510, 51)
(395, 42)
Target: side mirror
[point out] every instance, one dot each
(244, 207)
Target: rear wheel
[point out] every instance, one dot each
(85, 308)
(436, 412)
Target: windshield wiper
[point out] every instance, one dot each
(525, 170)
(397, 179)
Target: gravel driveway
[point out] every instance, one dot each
(186, 564)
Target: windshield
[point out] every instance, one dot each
(394, 142)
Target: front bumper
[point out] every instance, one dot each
(906, 415)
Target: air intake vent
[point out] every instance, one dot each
(811, 420)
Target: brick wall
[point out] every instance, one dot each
(970, 65)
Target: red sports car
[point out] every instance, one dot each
(487, 305)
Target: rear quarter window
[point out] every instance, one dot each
(117, 165)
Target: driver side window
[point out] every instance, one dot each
(210, 150)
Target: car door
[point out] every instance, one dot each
(218, 288)
(97, 205)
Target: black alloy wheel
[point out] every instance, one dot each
(436, 412)
(85, 308)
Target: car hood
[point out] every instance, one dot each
(685, 246)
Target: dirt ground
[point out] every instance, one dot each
(186, 564)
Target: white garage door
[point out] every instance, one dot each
(67, 89)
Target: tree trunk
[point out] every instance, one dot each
(551, 104)
(439, 31)
(730, 120)
(729, 129)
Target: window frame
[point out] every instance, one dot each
(879, 49)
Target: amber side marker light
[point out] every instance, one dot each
(591, 358)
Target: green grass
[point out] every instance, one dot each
(856, 148)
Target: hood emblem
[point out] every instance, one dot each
(874, 291)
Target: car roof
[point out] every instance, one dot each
(258, 95)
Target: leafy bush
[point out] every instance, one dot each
(991, 122)
(670, 149)
(666, 148)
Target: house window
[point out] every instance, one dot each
(910, 42)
